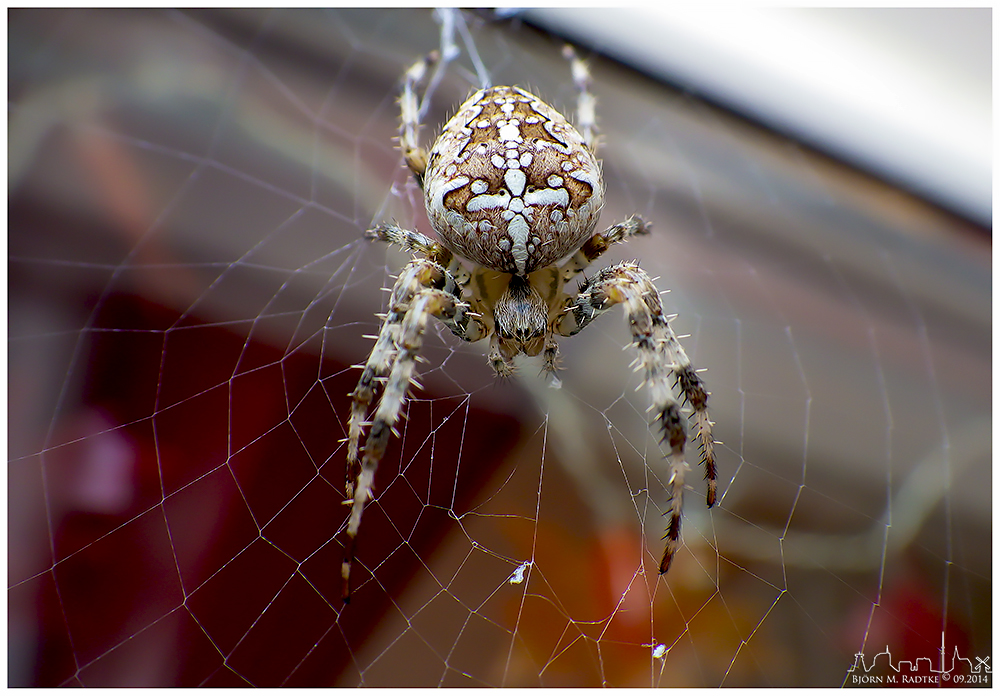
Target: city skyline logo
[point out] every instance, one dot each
(944, 670)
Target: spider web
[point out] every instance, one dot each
(189, 290)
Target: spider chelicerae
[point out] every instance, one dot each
(513, 188)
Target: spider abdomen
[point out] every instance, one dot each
(510, 184)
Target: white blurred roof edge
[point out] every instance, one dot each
(903, 93)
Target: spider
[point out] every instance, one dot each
(513, 188)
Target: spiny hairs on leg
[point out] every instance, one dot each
(424, 246)
(448, 274)
(425, 287)
(425, 303)
(409, 108)
(600, 243)
(417, 275)
(409, 240)
(660, 356)
(694, 391)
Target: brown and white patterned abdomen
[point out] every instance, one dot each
(510, 184)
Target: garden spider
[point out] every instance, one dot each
(516, 190)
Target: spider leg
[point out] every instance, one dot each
(550, 357)
(414, 277)
(601, 242)
(660, 356)
(501, 356)
(432, 284)
(410, 240)
(425, 302)
(586, 112)
(424, 246)
(420, 273)
(409, 106)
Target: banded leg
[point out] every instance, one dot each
(600, 243)
(409, 106)
(418, 275)
(422, 245)
(466, 324)
(660, 356)
(586, 111)
(425, 303)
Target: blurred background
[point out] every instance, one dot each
(189, 289)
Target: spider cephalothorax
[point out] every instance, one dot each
(515, 189)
